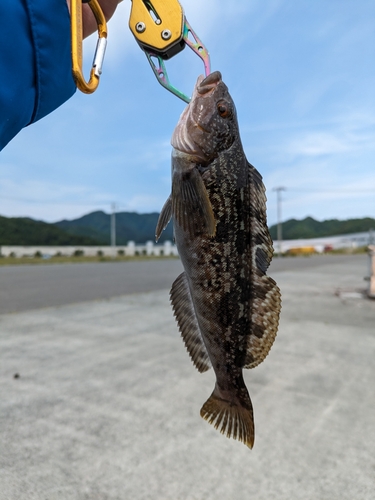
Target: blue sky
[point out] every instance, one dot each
(302, 75)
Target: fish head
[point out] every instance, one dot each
(208, 125)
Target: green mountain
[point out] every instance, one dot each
(294, 229)
(91, 229)
(94, 229)
(130, 226)
(25, 231)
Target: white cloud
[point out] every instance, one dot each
(143, 203)
(318, 143)
(345, 137)
(48, 200)
(321, 188)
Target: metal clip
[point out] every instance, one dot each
(160, 71)
(197, 46)
(76, 34)
(162, 31)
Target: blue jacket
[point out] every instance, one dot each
(35, 62)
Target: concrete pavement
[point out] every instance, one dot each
(107, 401)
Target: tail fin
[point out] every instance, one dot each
(232, 418)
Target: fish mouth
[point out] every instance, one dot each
(208, 85)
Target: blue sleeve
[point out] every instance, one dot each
(35, 62)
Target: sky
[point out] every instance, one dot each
(301, 73)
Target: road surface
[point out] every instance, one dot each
(26, 287)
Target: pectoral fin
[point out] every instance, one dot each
(184, 312)
(164, 218)
(191, 206)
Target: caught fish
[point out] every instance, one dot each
(226, 307)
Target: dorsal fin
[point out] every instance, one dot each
(184, 312)
(266, 301)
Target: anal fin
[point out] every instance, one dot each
(184, 312)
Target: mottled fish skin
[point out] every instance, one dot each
(226, 307)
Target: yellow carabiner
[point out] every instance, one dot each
(76, 33)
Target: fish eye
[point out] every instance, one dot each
(223, 109)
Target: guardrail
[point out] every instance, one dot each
(130, 250)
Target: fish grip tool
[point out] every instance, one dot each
(76, 37)
(162, 31)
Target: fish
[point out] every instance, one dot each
(227, 308)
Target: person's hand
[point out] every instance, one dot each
(88, 19)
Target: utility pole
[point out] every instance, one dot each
(279, 223)
(113, 229)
